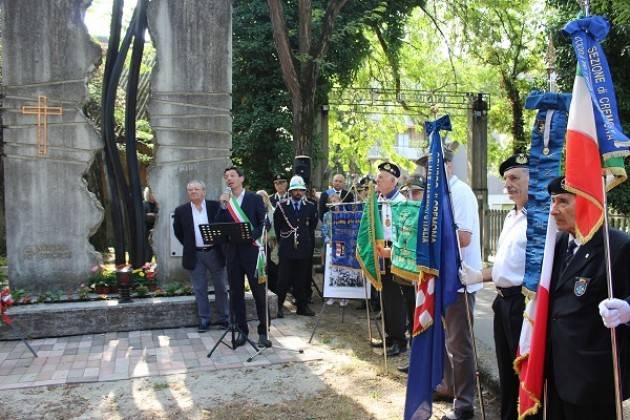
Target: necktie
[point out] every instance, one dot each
(570, 250)
(296, 207)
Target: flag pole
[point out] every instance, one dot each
(468, 311)
(613, 335)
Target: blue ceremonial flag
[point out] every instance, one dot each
(438, 262)
(345, 228)
(550, 128)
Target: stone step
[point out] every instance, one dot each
(62, 319)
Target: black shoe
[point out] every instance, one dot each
(263, 341)
(305, 311)
(396, 350)
(221, 325)
(240, 340)
(403, 369)
(280, 313)
(459, 415)
(204, 326)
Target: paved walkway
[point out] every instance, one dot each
(124, 355)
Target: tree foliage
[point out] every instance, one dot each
(263, 137)
(617, 48)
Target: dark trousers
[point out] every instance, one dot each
(558, 409)
(409, 297)
(236, 275)
(295, 272)
(508, 320)
(393, 310)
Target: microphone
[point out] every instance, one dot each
(227, 190)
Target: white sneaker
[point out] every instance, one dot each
(343, 302)
(330, 301)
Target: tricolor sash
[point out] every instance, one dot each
(239, 216)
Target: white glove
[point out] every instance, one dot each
(469, 276)
(614, 312)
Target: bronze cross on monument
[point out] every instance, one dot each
(42, 110)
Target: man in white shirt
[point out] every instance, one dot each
(459, 371)
(200, 258)
(507, 274)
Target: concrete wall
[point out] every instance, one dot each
(49, 212)
(189, 109)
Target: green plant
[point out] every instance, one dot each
(159, 292)
(83, 292)
(18, 294)
(171, 289)
(142, 291)
(185, 290)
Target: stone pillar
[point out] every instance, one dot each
(190, 108)
(478, 154)
(50, 214)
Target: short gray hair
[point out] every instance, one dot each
(196, 181)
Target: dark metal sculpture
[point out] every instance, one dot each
(127, 212)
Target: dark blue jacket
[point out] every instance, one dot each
(254, 208)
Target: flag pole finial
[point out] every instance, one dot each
(586, 7)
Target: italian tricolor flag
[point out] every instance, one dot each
(583, 162)
(530, 360)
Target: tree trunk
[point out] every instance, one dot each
(303, 118)
(519, 143)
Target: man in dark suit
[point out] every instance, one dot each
(579, 368)
(338, 182)
(200, 258)
(242, 258)
(294, 222)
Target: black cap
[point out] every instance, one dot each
(392, 168)
(518, 160)
(416, 182)
(279, 177)
(556, 186)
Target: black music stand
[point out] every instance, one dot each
(223, 233)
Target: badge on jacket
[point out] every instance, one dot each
(579, 288)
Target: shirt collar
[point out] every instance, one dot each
(574, 239)
(392, 193)
(203, 205)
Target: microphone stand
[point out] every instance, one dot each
(260, 350)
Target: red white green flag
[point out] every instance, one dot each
(596, 144)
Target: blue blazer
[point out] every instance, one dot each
(254, 208)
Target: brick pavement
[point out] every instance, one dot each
(134, 354)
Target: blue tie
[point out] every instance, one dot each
(296, 206)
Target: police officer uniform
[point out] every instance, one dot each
(294, 223)
(279, 198)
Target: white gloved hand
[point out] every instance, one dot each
(469, 276)
(614, 312)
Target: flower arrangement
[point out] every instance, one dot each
(6, 301)
(103, 279)
(145, 276)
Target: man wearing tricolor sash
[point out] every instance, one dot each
(579, 368)
(242, 206)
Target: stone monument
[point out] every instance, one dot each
(189, 108)
(49, 144)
